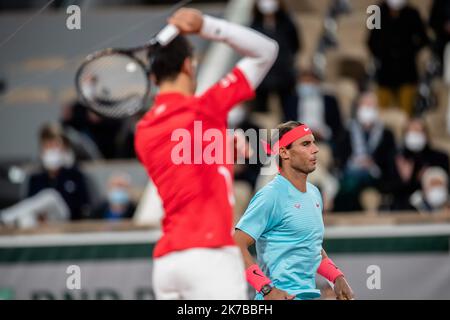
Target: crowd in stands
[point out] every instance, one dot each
(358, 153)
(58, 190)
(363, 152)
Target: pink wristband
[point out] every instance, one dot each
(328, 270)
(256, 277)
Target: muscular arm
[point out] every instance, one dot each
(244, 241)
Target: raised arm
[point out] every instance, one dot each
(258, 50)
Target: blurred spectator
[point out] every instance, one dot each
(246, 169)
(272, 19)
(57, 191)
(240, 118)
(68, 181)
(395, 47)
(102, 131)
(82, 146)
(434, 193)
(323, 178)
(119, 204)
(366, 155)
(416, 155)
(319, 109)
(439, 21)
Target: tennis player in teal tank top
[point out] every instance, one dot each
(284, 218)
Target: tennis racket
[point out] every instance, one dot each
(115, 83)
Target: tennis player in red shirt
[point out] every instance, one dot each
(196, 258)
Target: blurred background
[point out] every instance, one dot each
(73, 193)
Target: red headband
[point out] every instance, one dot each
(295, 134)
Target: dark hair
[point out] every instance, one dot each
(51, 131)
(284, 128)
(168, 61)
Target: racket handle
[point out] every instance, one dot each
(167, 34)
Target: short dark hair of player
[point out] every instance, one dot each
(168, 61)
(284, 128)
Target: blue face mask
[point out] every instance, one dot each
(308, 90)
(118, 197)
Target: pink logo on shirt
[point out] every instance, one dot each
(160, 109)
(297, 205)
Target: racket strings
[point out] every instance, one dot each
(114, 85)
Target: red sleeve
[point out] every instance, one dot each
(227, 93)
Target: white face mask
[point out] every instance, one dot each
(267, 6)
(52, 159)
(396, 4)
(415, 141)
(367, 115)
(437, 196)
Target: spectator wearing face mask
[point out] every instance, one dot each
(366, 156)
(394, 48)
(118, 204)
(433, 196)
(415, 156)
(54, 194)
(271, 18)
(58, 173)
(319, 110)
